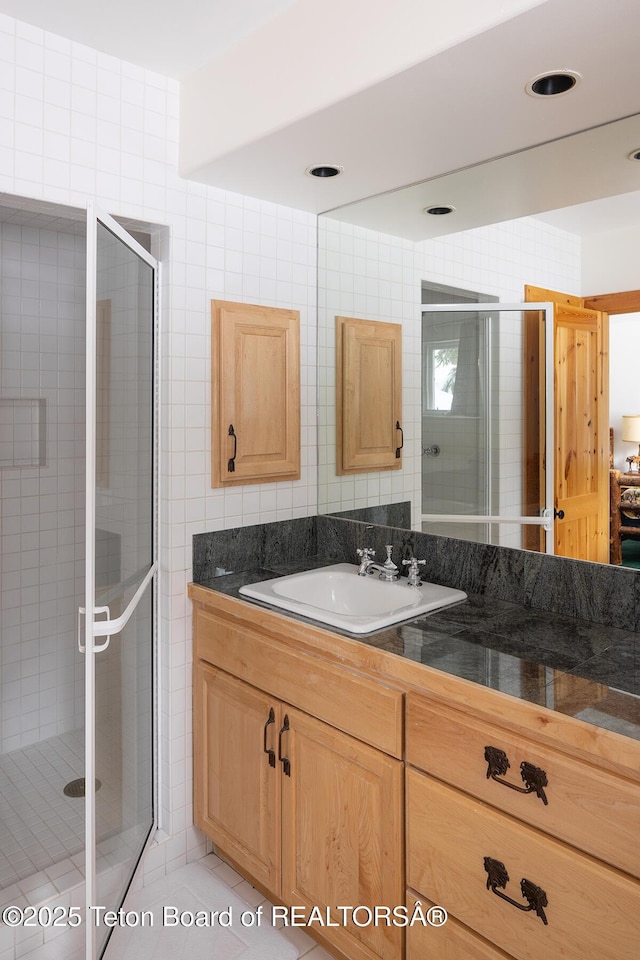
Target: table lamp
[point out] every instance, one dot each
(631, 433)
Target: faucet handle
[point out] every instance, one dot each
(413, 574)
(366, 553)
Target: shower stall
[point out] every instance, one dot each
(78, 533)
(487, 421)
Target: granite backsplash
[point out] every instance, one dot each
(589, 591)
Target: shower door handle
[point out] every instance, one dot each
(109, 628)
(96, 612)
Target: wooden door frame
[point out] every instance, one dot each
(614, 303)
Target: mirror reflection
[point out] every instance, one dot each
(471, 404)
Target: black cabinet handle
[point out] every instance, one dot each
(535, 896)
(231, 463)
(558, 514)
(398, 449)
(286, 763)
(271, 753)
(534, 778)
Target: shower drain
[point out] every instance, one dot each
(76, 788)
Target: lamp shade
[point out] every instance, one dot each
(631, 428)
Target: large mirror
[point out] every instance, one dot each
(563, 216)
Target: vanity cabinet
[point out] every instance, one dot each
(309, 812)
(520, 842)
(255, 394)
(332, 771)
(451, 941)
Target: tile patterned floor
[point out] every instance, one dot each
(201, 882)
(198, 879)
(41, 829)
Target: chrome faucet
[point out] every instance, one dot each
(388, 570)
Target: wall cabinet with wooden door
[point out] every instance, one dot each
(369, 432)
(309, 812)
(255, 394)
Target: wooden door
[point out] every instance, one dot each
(236, 788)
(581, 426)
(255, 420)
(368, 395)
(342, 833)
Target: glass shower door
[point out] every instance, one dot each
(487, 422)
(121, 563)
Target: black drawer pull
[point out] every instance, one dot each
(398, 449)
(268, 750)
(231, 463)
(535, 896)
(286, 763)
(534, 778)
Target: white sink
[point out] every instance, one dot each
(337, 596)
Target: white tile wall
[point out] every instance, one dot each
(363, 273)
(41, 506)
(77, 124)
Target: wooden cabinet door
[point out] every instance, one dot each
(342, 833)
(368, 395)
(236, 789)
(255, 417)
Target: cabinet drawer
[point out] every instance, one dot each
(592, 809)
(367, 709)
(451, 941)
(591, 909)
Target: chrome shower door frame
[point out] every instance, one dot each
(99, 627)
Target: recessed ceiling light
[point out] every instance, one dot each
(439, 209)
(553, 83)
(635, 154)
(324, 170)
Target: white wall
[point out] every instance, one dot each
(75, 123)
(372, 276)
(366, 274)
(610, 261)
(611, 265)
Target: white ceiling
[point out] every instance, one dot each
(584, 184)
(455, 110)
(161, 35)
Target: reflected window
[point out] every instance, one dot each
(440, 363)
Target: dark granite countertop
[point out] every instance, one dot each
(583, 669)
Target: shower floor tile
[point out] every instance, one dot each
(40, 827)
